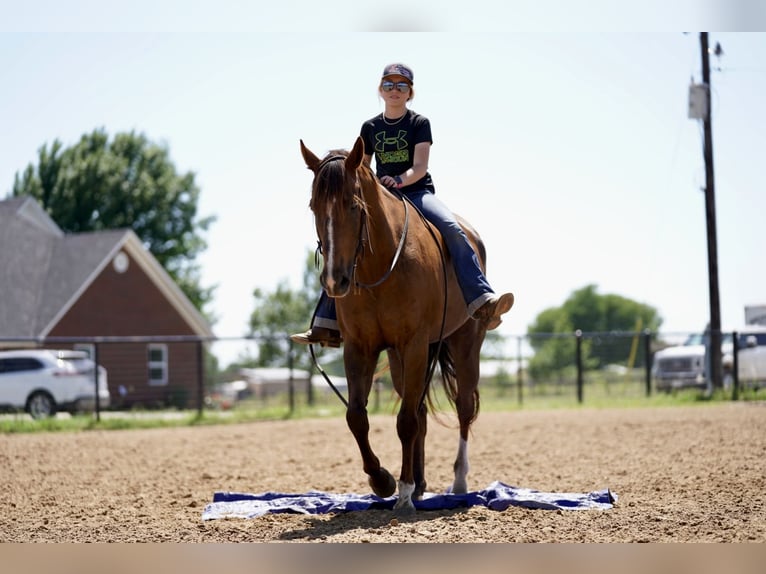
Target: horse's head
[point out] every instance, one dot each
(339, 213)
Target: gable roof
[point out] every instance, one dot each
(43, 271)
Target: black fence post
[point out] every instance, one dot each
(95, 376)
(291, 379)
(648, 360)
(578, 339)
(376, 385)
(200, 379)
(519, 371)
(310, 399)
(735, 366)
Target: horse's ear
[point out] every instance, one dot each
(312, 161)
(354, 159)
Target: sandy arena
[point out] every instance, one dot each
(682, 474)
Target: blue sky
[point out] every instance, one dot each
(571, 152)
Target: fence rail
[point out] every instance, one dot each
(519, 367)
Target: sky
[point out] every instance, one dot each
(570, 151)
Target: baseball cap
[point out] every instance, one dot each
(399, 70)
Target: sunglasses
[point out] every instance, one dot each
(388, 85)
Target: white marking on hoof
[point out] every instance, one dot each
(404, 504)
(460, 486)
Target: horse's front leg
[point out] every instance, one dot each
(408, 369)
(360, 368)
(419, 456)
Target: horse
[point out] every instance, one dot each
(395, 290)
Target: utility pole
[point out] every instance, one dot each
(716, 371)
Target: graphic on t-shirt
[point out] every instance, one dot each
(384, 153)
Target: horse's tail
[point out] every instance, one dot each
(449, 379)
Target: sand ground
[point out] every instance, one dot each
(682, 474)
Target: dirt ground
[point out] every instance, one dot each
(682, 474)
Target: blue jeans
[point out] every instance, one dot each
(473, 284)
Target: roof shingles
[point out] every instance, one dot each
(43, 271)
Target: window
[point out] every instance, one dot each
(158, 364)
(760, 339)
(18, 364)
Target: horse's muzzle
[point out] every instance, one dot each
(336, 285)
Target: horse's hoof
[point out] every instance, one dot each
(382, 483)
(459, 488)
(406, 508)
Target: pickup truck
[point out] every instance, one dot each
(685, 366)
(751, 344)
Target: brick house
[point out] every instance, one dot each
(102, 292)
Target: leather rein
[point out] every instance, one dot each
(363, 237)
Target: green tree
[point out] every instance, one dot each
(554, 349)
(281, 312)
(126, 182)
(587, 310)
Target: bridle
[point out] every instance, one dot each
(363, 236)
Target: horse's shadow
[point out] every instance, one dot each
(319, 527)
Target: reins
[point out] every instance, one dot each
(402, 239)
(363, 230)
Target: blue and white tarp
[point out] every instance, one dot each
(497, 496)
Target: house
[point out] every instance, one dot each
(265, 382)
(103, 292)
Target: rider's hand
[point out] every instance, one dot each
(391, 182)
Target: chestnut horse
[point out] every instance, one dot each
(386, 268)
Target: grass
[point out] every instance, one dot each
(494, 398)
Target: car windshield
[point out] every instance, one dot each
(695, 339)
(699, 339)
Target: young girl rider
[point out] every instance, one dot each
(400, 140)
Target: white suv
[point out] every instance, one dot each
(42, 382)
(685, 366)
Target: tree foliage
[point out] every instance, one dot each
(281, 312)
(591, 313)
(126, 182)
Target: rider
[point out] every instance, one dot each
(401, 141)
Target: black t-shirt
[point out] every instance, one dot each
(393, 145)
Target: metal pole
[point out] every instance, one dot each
(735, 366)
(519, 371)
(310, 389)
(578, 339)
(648, 361)
(291, 379)
(716, 377)
(200, 379)
(95, 369)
